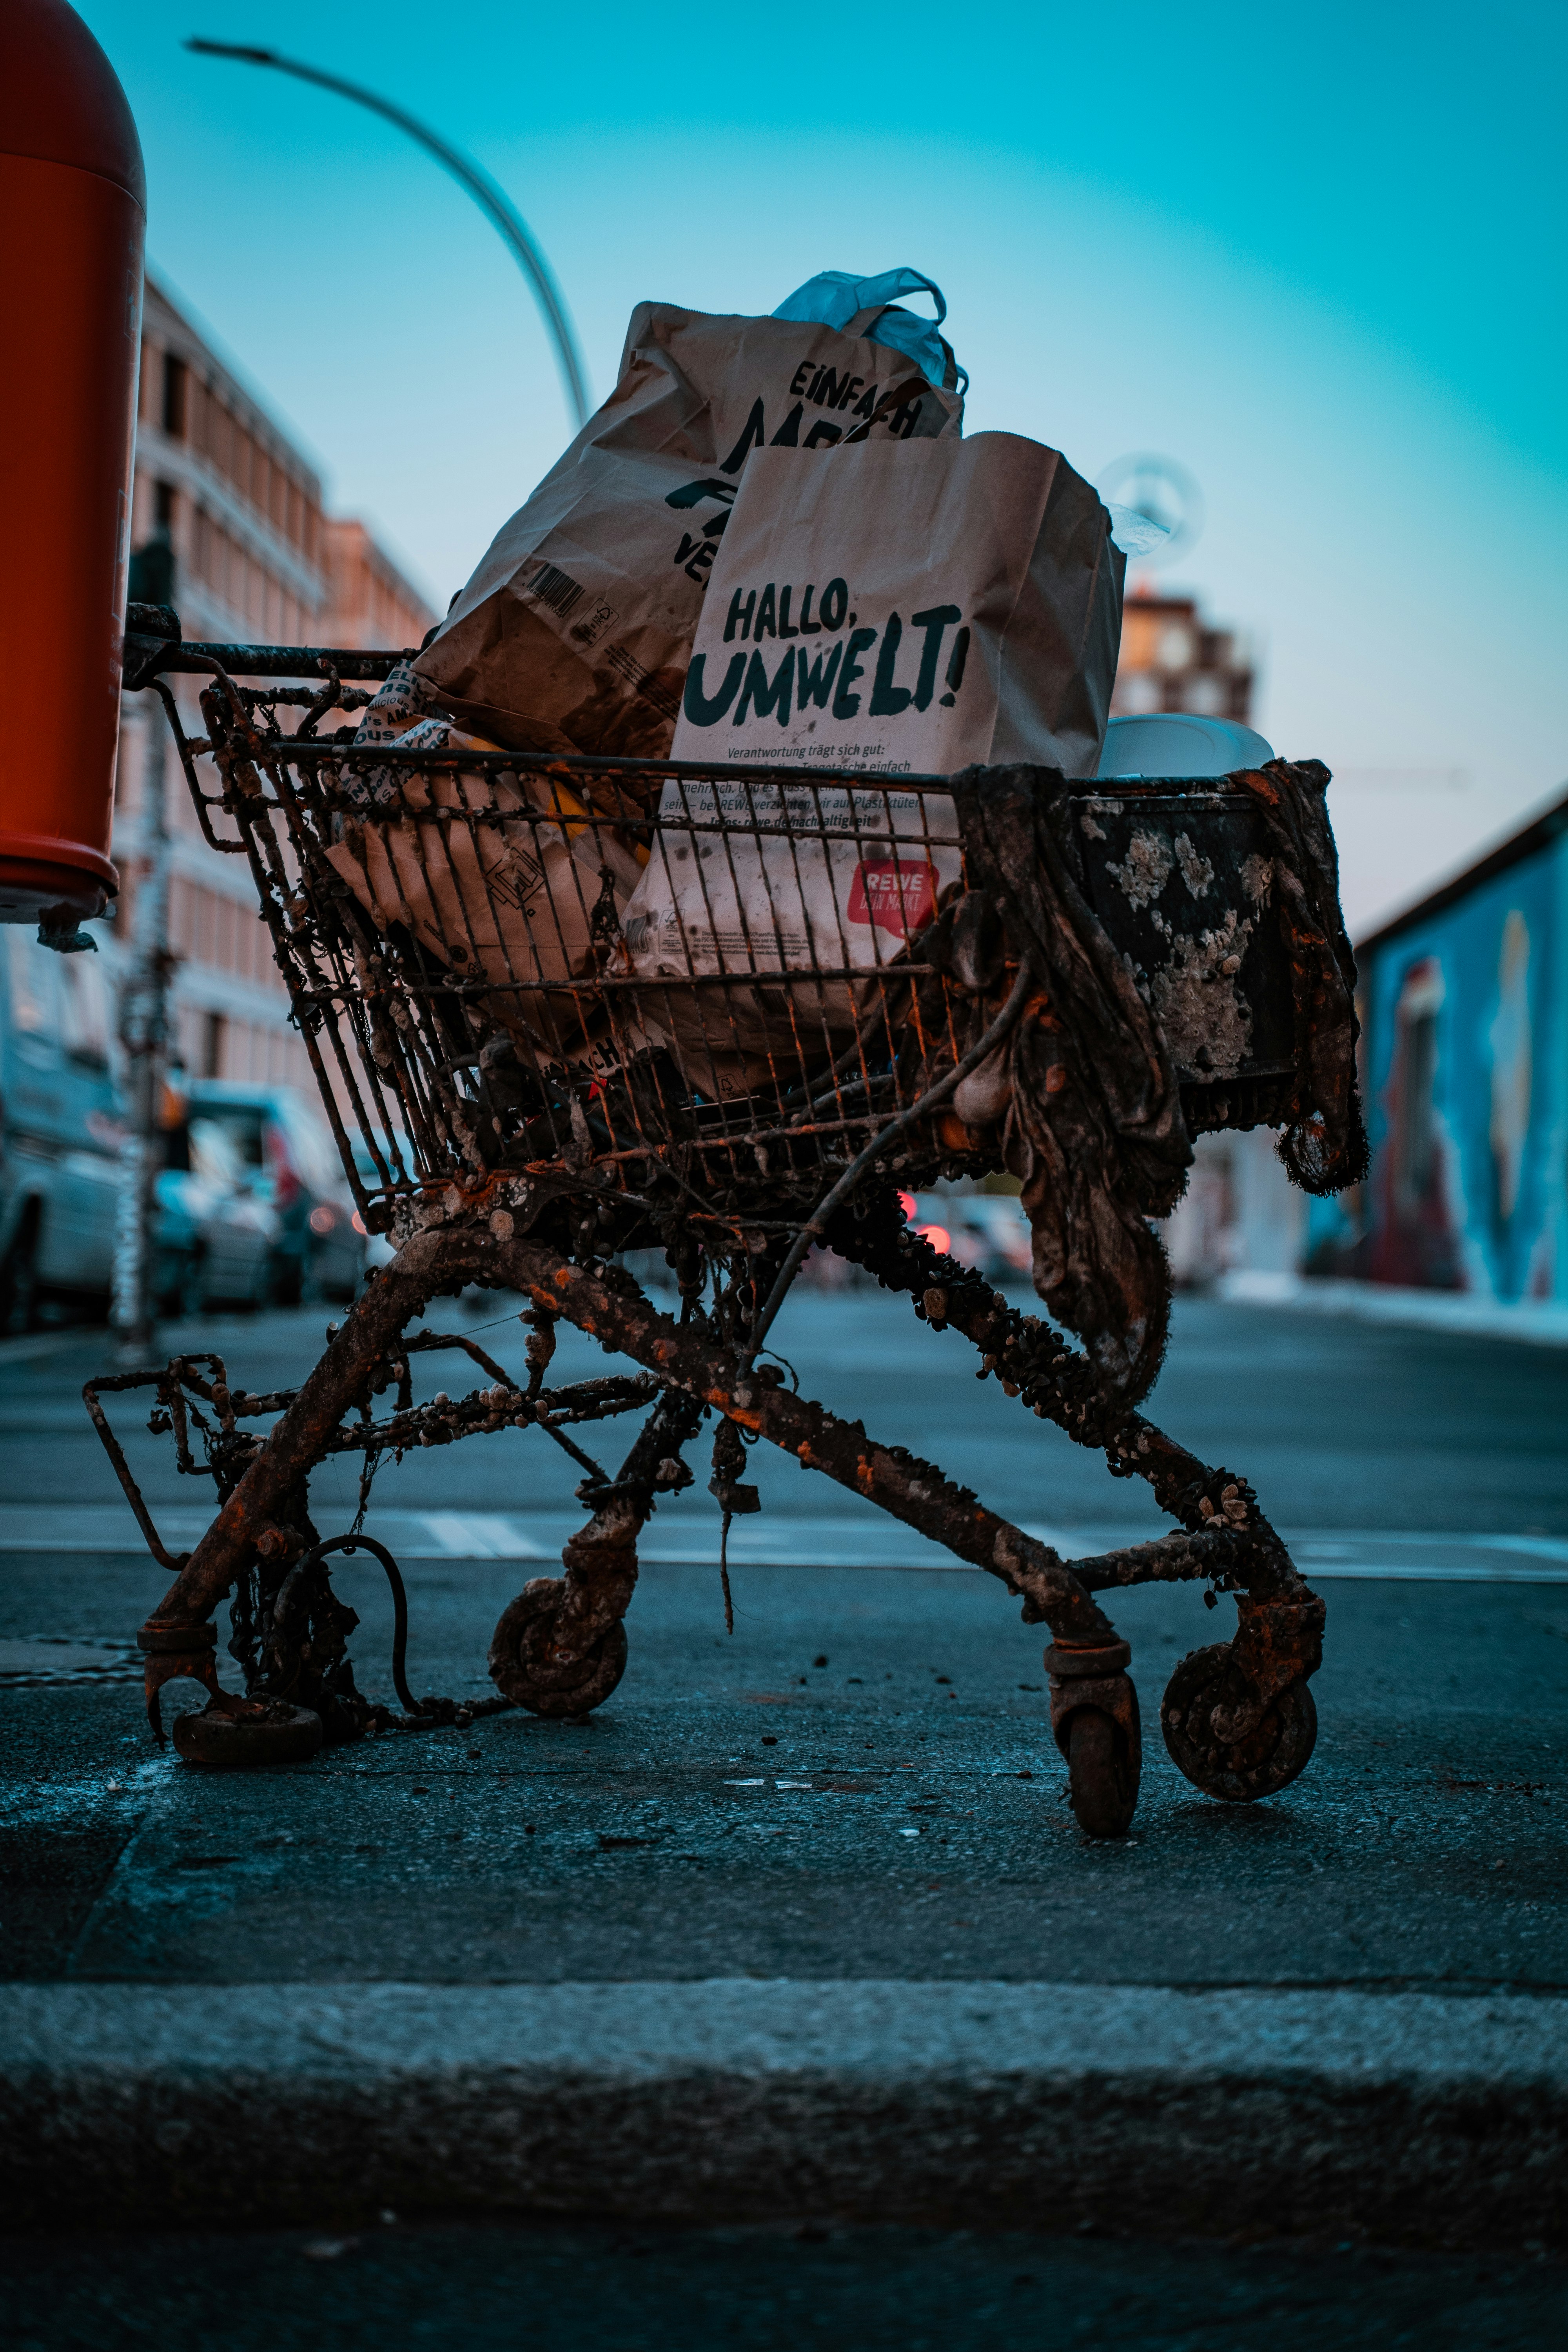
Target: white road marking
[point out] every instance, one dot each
(481, 1535)
(780, 1541)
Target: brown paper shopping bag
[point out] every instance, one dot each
(574, 632)
(961, 604)
(898, 612)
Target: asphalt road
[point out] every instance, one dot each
(860, 1781)
(1338, 1425)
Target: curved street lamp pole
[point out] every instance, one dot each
(503, 213)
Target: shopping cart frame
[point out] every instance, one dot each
(544, 1202)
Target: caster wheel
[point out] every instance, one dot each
(523, 1663)
(247, 1731)
(1241, 1770)
(1103, 1774)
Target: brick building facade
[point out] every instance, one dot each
(1172, 659)
(255, 559)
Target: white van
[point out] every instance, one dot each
(60, 1127)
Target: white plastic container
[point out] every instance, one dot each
(1180, 743)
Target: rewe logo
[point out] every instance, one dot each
(897, 898)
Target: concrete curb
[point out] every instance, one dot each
(1408, 2116)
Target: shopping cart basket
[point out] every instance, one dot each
(562, 1009)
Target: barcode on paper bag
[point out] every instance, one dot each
(556, 589)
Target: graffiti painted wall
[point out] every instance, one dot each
(1465, 1080)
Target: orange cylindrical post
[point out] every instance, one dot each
(73, 204)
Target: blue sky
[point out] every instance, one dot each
(1316, 257)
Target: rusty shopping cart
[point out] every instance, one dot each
(562, 1009)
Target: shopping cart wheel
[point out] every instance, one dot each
(241, 1733)
(526, 1663)
(1239, 1770)
(1103, 1774)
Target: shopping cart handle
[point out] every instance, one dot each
(152, 632)
(160, 621)
(152, 651)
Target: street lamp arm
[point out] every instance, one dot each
(480, 185)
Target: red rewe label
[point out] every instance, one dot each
(896, 896)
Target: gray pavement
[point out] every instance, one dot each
(741, 1815)
(768, 2288)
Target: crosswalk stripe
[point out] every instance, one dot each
(481, 1535)
(777, 1539)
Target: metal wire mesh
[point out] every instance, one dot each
(498, 959)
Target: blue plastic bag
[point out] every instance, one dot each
(833, 297)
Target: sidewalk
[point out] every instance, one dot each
(1535, 1322)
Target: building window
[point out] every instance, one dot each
(1170, 660)
(176, 378)
(213, 1027)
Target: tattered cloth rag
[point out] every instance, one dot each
(1324, 1146)
(1093, 1120)
(1088, 1093)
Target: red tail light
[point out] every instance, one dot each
(286, 1184)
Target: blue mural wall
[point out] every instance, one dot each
(1465, 1077)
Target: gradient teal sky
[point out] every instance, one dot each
(1316, 255)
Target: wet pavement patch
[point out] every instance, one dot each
(38, 1660)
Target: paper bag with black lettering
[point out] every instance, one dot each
(910, 611)
(575, 630)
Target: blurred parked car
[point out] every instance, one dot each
(215, 1237)
(286, 1154)
(251, 1199)
(986, 1231)
(59, 1129)
(378, 1249)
